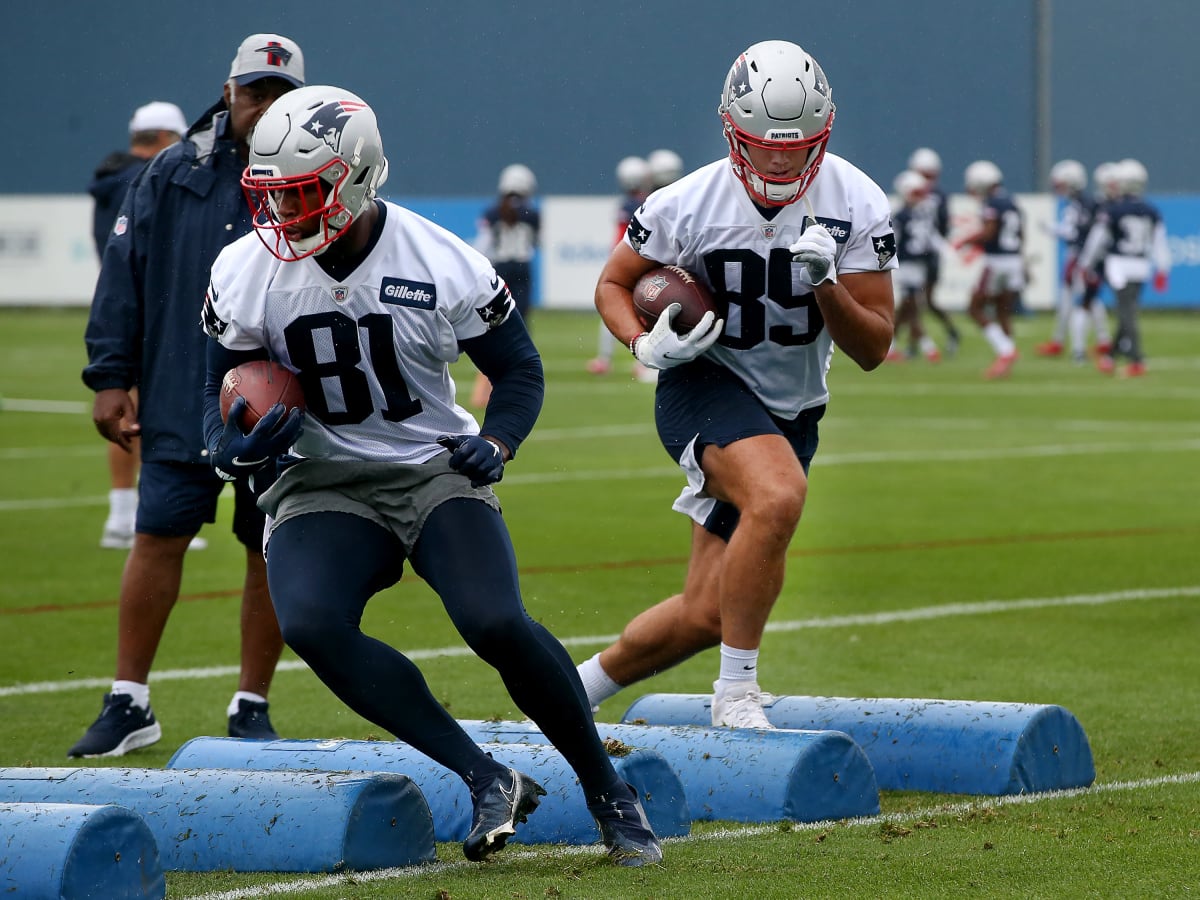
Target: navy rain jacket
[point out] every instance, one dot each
(144, 326)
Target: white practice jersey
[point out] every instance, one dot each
(372, 350)
(774, 337)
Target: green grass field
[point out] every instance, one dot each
(1069, 497)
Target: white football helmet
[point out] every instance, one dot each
(981, 176)
(911, 185)
(776, 97)
(1068, 176)
(926, 161)
(319, 141)
(1131, 177)
(1105, 177)
(633, 174)
(517, 179)
(666, 166)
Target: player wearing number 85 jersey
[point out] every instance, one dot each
(799, 244)
(369, 304)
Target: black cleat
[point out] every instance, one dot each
(252, 722)
(626, 831)
(508, 800)
(122, 726)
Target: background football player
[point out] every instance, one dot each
(1000, 236)
(1131, 238)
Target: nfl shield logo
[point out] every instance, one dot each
(768, 231)
(339, 294)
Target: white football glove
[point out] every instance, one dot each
(661, 347)
(817, 250)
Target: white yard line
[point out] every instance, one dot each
(916, 614)
(657, 471)
(514, 856)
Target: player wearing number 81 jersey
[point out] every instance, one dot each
(371, 345)
(369, 303)
(798, 244)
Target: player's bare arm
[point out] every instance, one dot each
(859, 311)
(614, 291)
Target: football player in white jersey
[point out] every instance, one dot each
(368, 303)
(798, 243)
(1000, 236)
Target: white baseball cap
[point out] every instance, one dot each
(158, 116)
(267, 55)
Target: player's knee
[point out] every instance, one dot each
(491, 637)
(306, 630)
(778, 507)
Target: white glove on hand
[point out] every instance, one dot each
(661, 347)
(817, 250)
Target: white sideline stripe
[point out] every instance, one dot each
(1181, 445)
(1123, 427)
(513, 857)
(917, 614)
(70, 407)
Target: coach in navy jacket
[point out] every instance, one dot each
(144, 331)
(184, 207)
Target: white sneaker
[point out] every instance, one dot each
(116, 538)
(645, 374)
(740, 706)
(198, 543)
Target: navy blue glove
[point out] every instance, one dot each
(239, 455)
(476, 457)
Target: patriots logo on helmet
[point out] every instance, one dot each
(739, 80)
(330, 119)
(885, 247)
(820, 84)
(277, 54)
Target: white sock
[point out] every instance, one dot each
(1079, 324)
(139, 692)
(596, 682)
(1100, 322)
(737, 665)
(928, 345)
(122, 506)
(243, 695)
(1001, 342)
(606, 343)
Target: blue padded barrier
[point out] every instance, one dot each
(945, 746)
(742, 775)
(50, 851)
(204, 820)
(561, 818)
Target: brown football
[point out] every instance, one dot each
(659, 288)
(263, 383)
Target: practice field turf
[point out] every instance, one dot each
(1030, 540)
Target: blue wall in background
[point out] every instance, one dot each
(464, 88)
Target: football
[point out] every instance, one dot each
(659, 288)
(263, 383)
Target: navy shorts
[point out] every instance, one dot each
(701, 403)
(175, 499)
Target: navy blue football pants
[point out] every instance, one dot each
(324, 567)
